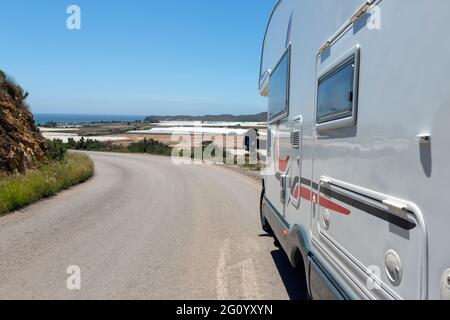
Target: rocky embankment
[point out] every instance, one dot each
(21, 144)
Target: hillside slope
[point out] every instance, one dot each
(21, 144)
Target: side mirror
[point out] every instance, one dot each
(251, 144)
(247, 143)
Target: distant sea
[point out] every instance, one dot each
(83, 118)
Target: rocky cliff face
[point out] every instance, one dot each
(21, 144)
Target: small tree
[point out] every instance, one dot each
(71, 143)
(81, 144)
(145, 145)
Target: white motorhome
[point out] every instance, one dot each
(359, 145)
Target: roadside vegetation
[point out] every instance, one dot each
(148, 146)
(62, 172)
(31, 168)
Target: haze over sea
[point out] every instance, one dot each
(83, 118)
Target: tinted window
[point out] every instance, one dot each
(335, 94)
(279, 88)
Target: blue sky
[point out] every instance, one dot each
(137, 56)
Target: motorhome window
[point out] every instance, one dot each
(336, 94)
(279, 89)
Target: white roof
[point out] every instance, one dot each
(210, 124)
(193, 130)
(65, 137)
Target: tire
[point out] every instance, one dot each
(264, 224)
(303, 285)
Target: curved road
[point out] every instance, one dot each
(144, 228)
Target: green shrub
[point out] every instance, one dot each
(71, 144)
(149, 146)
(56, 150)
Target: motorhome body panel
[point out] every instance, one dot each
(290, 26)
(292, 23)
(396, 149)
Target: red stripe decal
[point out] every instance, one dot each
(296, 192)
(306, 194)
(283, 165)
(324, 202)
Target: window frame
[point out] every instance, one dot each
(336, 121)
(284, 113)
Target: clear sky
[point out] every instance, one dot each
(148, 57)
